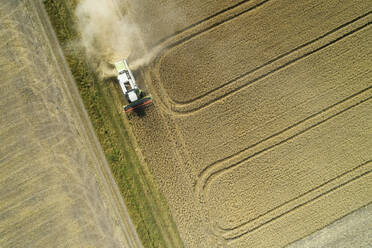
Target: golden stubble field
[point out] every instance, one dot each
(261, 132)
(55, 190)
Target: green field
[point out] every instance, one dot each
(147, 207)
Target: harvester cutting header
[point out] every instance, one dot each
(135, 96)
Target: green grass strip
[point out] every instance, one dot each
(114, 138)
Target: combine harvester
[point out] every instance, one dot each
(135, 96)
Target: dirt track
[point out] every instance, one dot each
(55, 186)
(261, 130)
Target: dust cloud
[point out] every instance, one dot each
(106, 33)
(109, 35)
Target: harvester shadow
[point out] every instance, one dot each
(140, 112)
(137, 113)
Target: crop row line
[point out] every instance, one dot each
(283, 136)
(366, 171)
(277, 64)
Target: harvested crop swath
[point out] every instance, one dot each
(53, 187)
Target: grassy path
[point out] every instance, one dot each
(146, 206)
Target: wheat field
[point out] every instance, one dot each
(261, 130)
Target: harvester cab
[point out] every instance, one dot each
(134, 95)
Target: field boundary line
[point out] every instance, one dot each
(338, 182)
(73, 95)
(253, 76)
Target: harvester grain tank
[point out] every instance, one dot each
(135, 97)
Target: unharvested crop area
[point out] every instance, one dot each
(55, 189)
(261, 131)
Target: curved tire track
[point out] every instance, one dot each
(215, 169)
(229, 235)
(265, 70)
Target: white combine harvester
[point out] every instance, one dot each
(135, 97)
